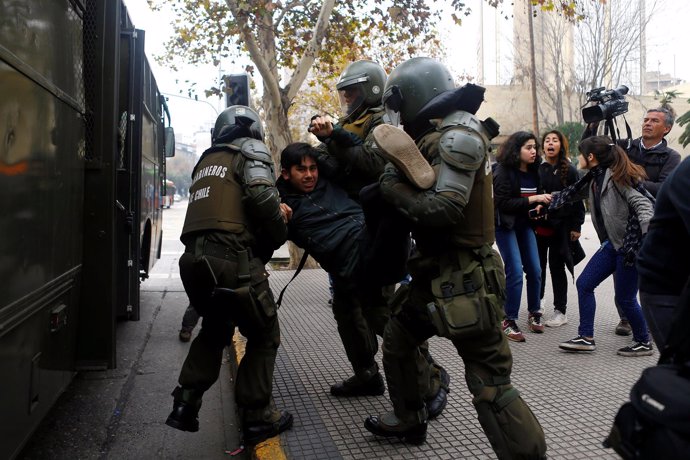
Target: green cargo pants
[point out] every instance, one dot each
(361, 313)
(510, 425)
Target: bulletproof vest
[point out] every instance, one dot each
(215, 197)
(477, 225)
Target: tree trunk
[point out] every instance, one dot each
(277, 130)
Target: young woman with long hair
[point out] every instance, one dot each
(517, 192)
(558, 230)
(621, 210)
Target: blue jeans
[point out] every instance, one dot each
(604, 262)
(518, 248)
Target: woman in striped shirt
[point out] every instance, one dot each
(518, 203)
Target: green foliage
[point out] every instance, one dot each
(288, 40)
(666, 98)
(684, 120)
(572, 130)
(207, 32)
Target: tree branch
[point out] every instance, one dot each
(311, 50)
(269, 75)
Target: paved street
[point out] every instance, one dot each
(121, 413)
(575, 397)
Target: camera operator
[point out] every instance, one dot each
(651, 151)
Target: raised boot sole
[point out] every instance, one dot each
(398, 147)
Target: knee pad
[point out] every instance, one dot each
(510, 425)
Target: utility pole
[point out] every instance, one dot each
(643, 48)
(533, 70)
(480, 51)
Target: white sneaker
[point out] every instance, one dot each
(557, 319)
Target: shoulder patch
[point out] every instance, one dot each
(463, 148)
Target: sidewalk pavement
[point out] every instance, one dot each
(120, 414)
(574, 396)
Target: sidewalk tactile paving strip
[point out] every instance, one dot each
(575, 397)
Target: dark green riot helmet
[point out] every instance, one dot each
(237, 121)
(360, 86)
(410, 86)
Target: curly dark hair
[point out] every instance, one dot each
(509, 152)
(563, 155)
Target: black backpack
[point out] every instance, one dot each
(655, 424)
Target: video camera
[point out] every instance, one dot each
(610, 104)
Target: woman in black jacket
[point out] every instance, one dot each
(560, 229)
(517, 193)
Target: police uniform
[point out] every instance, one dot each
(457, 291)
(232, 226)
(362, 311)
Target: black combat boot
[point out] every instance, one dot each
(390, 426)
(435, 405)
(184, 415)
(254, 433)
(354, 386)
(366, 382)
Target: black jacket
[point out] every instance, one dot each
(508, 204)
(662, 262)
(658, 162)
(327, 224)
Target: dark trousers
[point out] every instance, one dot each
(257, 321)
(385, 246)
(360, 312)
(658, 310)
(549, 249)
(190, 319)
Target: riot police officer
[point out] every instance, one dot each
(350, 155)
(232, 226)
(355, 163)
(349, 142)
(458, 284)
